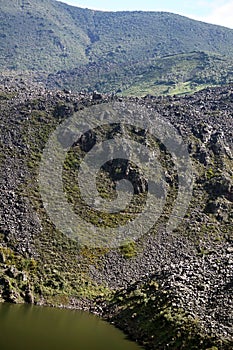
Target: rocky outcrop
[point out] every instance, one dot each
(181, 279)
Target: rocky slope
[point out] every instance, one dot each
(167, 290)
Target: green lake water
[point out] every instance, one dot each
(24, 327)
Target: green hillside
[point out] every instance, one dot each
(47, 35)
(39, 35)
(174, 74)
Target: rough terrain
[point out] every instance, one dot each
(166, 290)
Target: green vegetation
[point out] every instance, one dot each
(133, 53)
(170, 75)
(129, 250)
(51, 35)
(150, 313)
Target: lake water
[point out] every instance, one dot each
(24, 327)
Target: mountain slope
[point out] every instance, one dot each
(174, 74)
(39, 35)
(48, 35)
